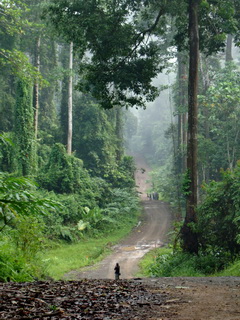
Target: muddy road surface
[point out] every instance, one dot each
(151, 232)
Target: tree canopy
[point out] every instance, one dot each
(122, 42)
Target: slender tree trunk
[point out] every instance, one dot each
(205, 85)
(229, 56)
(70, 90)
(36, 87)
(182, 118)
(180, 115)
(189, 235)
(119, 134)
(24, 129)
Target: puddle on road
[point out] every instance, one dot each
(128, 248)
(139, 246)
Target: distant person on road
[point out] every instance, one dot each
(117, 271)
(155, 196)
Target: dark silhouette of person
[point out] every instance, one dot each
(117, 271)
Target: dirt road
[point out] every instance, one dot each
(151, 232)
(141, 299)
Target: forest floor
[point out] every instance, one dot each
(93, 294)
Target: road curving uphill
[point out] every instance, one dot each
(151, 232)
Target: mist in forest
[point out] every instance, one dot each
(148, 131)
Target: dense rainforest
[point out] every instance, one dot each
(71, 71)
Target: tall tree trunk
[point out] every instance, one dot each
(24, 130)
(119, 134)
(36, 87)
(182, 117)
(229, 56)
(64, 60)
(205, 86)
(70, 90)
(189, 235)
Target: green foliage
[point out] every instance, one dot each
(21, 228)
(19, 65)
(124, 204)
(16, 266)
(216, 19)
(63, 173)
(62, 223)
(94, 137)
(13, 24)
(179, 264)
(219, 215)
(121, 175)
(220, 113)
(232, 270)
(82, 215)
(17, 198)
(11, 17)
(7, 102)
(7, 161)
(66, 257)
(128, 69)
(186, 183)
(20, 244)
(24, 131)
(135, 61)
(27, 235)
(167, 184)
(94, 220)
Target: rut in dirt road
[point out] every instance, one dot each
(150, 233)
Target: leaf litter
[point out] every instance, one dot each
(84, 299)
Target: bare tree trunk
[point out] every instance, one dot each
(70, 90)
(189, 235)
(205, 86)
(180, 115)
(182, 118)
(119, 134)
(36, 87)
(229, 56)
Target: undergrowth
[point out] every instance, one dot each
(66, 257)
(164, 263)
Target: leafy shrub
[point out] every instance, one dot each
(121, 175)
(124, 203)
(7, 152)
(57, 175)
(95, 220)
(19, 254)
(219, 215)
(184, 264)
(27, 235)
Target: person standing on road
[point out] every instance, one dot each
(117, 271)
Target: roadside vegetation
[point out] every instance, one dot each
(166, 263)
(63, 257)
(218, 232)
(65, 126)
(46, 231)
(46, 245)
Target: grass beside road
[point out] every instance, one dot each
(66, 257)
(232, 270)
(162, 262)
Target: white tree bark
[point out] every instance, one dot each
(70, 91)
(36, 87)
